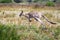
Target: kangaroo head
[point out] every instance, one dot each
(21, 13)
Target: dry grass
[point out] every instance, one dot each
(9, 16)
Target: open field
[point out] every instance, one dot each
(11, 15)
(19, 29)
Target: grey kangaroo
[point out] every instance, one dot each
(37, 16)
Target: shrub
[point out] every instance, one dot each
(50, 4)
(5, 1)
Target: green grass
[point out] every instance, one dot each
(22, 32)
(8, 32)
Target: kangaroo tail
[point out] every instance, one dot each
(48, 20)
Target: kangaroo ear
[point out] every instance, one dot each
(21, 13)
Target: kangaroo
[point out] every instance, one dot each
(37, 16)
